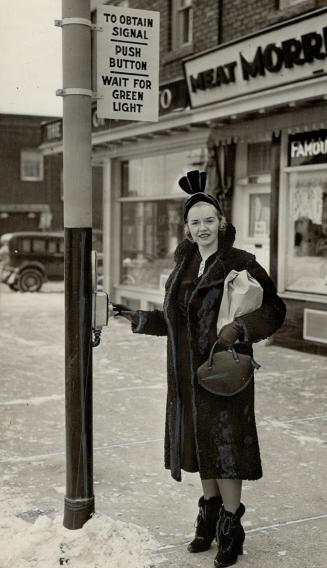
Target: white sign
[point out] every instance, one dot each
(128, 64)
(287, 53)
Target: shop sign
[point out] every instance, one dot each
(287, 53)
(307, 148)
(51, 131)
(128, 64)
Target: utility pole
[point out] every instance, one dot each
(77, 178)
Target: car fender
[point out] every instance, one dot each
(37, 265)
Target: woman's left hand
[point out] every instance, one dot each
(229, 334)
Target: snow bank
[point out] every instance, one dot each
(101, 543)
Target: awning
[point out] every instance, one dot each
(313, 116)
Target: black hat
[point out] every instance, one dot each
(194, 183)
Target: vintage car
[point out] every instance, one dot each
(28, 259)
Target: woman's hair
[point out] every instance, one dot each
(221, 228)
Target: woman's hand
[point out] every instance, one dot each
(229, 334)
(124, 311)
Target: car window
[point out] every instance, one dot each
(24, 245)
(39, 245)
(61, 245)
(52, 246)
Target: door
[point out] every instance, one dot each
(251, 218)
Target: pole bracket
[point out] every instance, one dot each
(77, 91)
(78, 21)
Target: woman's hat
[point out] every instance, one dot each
(194, 183)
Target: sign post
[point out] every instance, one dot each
(128, 64)
(77, 181)
(128, 69)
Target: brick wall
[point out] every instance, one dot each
(18, 133)
(230, 19)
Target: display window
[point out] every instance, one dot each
(306, 256)
(152, 215)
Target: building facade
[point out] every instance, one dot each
(27, 198)
(243, 95)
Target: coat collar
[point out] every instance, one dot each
(216, 272)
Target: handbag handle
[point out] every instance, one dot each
(235, 356)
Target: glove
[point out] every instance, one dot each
(229, 334)
(124, 311)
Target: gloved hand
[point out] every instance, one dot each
(124, 311)
(229, 334)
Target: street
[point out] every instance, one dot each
(286, 511)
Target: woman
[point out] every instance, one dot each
(215, 436)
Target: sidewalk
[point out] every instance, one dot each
(286, 511)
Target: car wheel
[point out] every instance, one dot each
(30, 280)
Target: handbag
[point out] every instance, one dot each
(227, 372)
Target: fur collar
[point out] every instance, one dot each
(225, 242)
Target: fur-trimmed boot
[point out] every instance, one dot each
(230, 537)
(205, 524)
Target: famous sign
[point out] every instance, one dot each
(287, 54)
(128, 64)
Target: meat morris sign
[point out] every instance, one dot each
(291, 52)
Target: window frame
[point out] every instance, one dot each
(32, 152)
(176, 11)
(283, 227)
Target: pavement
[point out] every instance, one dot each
(286, 510)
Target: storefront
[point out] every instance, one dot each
(268, 92)
(252, 112)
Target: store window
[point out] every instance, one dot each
(182, 23)
(31, 165)
(306, 258)
(152, 215)
(150, 233)
(258, 158)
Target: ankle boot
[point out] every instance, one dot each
(205, 524)
(230, 537)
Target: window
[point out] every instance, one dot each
(52, 246)
(258, 158)
(306, 256)
(25, 245)
(182, 22)
(31, 165)
(39, 245)
(152, 214)
(159, 175)
(151, 230)
(259, 218)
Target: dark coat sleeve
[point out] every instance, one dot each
(267, 319)
(149, 322)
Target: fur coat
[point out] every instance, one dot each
(224, 428)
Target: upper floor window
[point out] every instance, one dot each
(31, 165)
(182, 22)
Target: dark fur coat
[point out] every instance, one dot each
(224, 428)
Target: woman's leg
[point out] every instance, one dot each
(209, 506)
(230, 490)
(230, 533)
(210, 488)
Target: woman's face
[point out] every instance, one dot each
(203, 224)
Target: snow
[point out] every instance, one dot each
(102, 542)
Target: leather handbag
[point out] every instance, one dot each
(226, 373)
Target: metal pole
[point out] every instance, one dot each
(77, 177)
